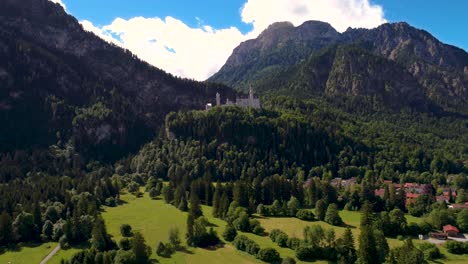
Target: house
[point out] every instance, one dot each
(451, 230)
(410, 197)
(440, 236)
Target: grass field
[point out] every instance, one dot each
(294, 227)
(27, 254)
(154, 218)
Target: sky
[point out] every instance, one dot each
(194, 38)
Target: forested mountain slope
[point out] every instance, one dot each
(60, 83)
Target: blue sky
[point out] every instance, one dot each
(208, 30)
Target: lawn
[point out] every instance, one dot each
(27, 254)
(154, 218)
(294, 227)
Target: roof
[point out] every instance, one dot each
(380, 192)
(448, 228)
(412, 195)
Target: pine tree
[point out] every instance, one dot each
(195, 207)
(140, 249)
(189, 235)
(224, 205)
(6, 229)
(320, 209)
(100, 240)
(217, 200)
(37, 218)
(367, 253)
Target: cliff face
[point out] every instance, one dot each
(303, 58)
(58, 82)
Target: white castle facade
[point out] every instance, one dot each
(250, 102)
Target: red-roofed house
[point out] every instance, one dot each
(410, 197)
(450, 230)
(379, 192)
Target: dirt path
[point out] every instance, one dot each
(51, 254)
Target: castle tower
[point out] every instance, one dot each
(218, 99)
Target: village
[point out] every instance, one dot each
(412, 191)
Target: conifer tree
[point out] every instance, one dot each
(367, 253)
(140, 249)
(37, 218)
(217, 200)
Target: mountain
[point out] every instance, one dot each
(396, 63)
(60, 83)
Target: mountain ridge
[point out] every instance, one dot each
(440, 70)
(52, 67)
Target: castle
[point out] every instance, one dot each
(250, 102)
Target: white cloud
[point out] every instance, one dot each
(60, 2)
(341, 14)
(200, 52)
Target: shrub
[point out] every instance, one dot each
(256, 227)
(243, 243)
(275, 233)
(258, 230)
(282, 240)
(294, 243)
(431, 252)
(164, 250)
(153, 193)
(110, 202)
(305, 253)
(124, 244)
(269, 255)
(126, 230)
(332, 217)
(306, 215)
(229, 233)
(252, 247)
(456, 247)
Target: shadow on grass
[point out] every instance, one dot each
(347, 226)
(185, 250)
(215, 247)
(19, 247)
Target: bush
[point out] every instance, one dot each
(305, 253)
(294, 243)
(332, 216)
(124, 244)
(126, 230)
(269, 255)
(153, 193)
(229, 233)
(252, 247)
(306, 215)
(110, 202)
(243, 243)
(288, 260)
(275, 233)
(256, 227)
(456, 247)
(431, 252)
(282, 240)
(164, 250)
